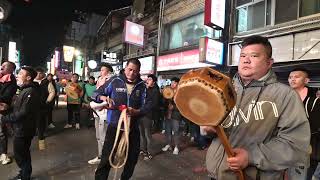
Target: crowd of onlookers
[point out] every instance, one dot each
(27, 102)
(78, 96)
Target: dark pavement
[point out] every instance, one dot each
(68, 151)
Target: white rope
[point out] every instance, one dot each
(121, 154)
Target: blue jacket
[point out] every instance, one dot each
(116, 89)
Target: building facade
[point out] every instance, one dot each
(292, 27)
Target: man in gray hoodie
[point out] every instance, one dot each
(268, 128)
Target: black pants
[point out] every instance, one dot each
(3, 139)
(145, 125)
(56, 99)
(41, 125)
(21, 150)
(312, 168)
(49, 114)
(103, 169)
(73, 109)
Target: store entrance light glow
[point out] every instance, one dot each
(92, 64)
(5, 8)
(77, 52)
(1, 13)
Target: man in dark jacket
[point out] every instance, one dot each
(126, 89)
(44, 94)
(145, 123)
(23, 120)
(298, 80)
(172, 121)
(8, 88)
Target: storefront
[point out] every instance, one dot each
(300, 49)
(176, 64)
(180, 41)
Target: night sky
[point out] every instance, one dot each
(43, 22)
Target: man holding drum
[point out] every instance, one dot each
(268, 128)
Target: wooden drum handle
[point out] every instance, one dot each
(227, 147)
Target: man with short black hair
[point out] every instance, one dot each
(172, 121)
(145, 122)
(267, 129)
(123, 90)
(298, 80)
(23, 119)
(74, 92)
(46, 93)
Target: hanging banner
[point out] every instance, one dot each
(133, 33)
(211, 51)
(214, 13)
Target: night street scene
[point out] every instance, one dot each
(160, 89)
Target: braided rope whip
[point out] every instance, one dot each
(121, 154)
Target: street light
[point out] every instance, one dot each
(92, 64)
(5, 8)
(1, 13)
(77, 52)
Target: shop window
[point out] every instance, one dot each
(242, 2)
(251, 17)
(186, 32)
(286, 10)
(309, 7)
(268, 13)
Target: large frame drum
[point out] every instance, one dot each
(205, 97)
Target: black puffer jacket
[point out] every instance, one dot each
(25, 112)
(312, 107)
(153, 93)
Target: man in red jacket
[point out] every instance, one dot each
(8, 88)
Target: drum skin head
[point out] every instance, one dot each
(168, 93)
(205, 96)
(72, 91)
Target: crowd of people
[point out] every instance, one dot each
(273, 129)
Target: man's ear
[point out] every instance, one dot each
(29, 78)
(306, 80)
(270, 62)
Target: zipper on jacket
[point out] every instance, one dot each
(129, 96)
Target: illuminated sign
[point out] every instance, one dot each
(57, 59)
(147, 65)
(52, 64)
(0, 55)
(183, 60)
(48, 67)
(79, 67)
(64, 74)
(12, 52)
(214, 13)
(68, 53)
(211, 51)
(133, 33)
